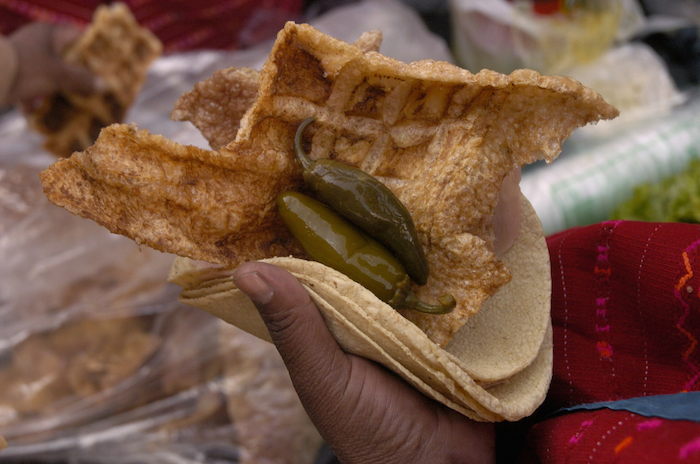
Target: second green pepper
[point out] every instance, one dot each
(331, 240)
(367, 203)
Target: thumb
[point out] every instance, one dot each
(315, 361)
(75, 79)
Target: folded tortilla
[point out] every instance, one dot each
(496, 368)
(441, 138)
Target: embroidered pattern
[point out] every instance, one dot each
(575, 438)
(642, 319)
(603, 438)
(565, 343)
(680, 288)
(623, 444)
(689, 449)
(603, 271)
(649, 424)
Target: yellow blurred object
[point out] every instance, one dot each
(579, 35)
(507, 35)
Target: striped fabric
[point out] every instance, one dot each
(626, 318)
(180, 24)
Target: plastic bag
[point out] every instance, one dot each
(686, 9)
(506, 35)
(99, 363)
(594, 178)
(634, 79)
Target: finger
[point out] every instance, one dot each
(33, 89)
(75, 79)
(63, 36)
(31, 104)
(312, 356)
(508, 213)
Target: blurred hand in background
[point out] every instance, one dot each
(40, 69)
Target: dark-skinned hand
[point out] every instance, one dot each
(363, 411)
(41, 70)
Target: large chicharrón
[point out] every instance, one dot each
(440, 137)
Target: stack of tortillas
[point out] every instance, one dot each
(497, 367)
(441, 138)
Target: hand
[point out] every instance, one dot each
(508, 213)
(363, 411)
(41, 69)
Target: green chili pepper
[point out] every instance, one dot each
(331, 240)
(367, 203)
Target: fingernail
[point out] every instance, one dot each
(253, 285)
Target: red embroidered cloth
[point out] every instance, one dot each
(180, 24)
(626, 316)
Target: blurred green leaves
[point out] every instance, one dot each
(674, 199)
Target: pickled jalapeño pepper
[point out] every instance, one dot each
(331, 240)
(366, 203)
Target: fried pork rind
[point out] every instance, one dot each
(117, 50)
(441, 138)
(82, 358)
(216, 105)
(208, 205)
(225, 96)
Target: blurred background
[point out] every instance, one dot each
(99, 363)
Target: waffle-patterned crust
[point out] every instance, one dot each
(119, 51)
(216, 105)
(441, 138)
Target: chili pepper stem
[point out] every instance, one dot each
(298, 149)
(446, 304)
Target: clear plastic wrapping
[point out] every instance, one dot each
(99, 362)
(506, 35)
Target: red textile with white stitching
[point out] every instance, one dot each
(180, 24)
(626, 316)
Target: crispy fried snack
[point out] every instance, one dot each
(119, 51)
(441, 138)
(81, 358)
(225, 96)
(216, 105)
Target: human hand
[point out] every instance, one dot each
(363, 411)
(41, 69)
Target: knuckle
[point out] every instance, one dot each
(281, 324)
(290, 326)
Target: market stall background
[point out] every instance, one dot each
(98, 360)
